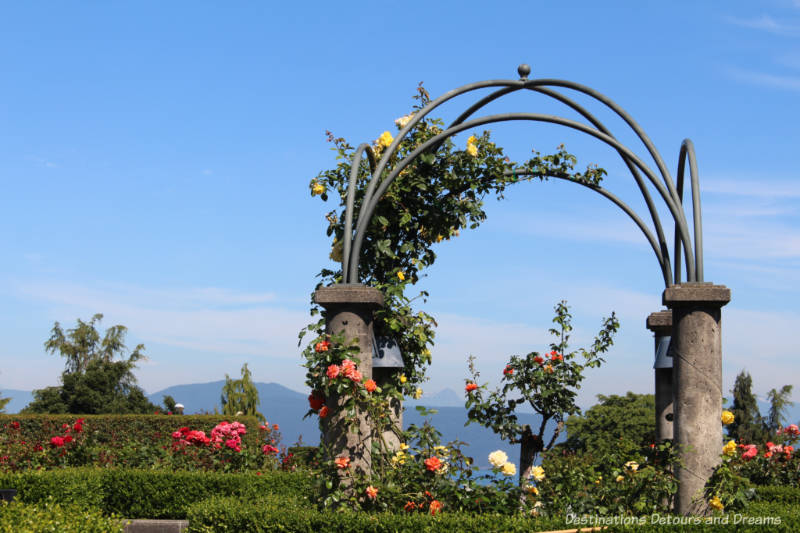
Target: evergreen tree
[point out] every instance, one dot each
(778, 402)
(748, 426)
(240, 396)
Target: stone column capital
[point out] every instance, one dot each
(660, 322)
(696, 293)
(349, 293)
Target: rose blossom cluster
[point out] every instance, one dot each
(347, 369)
(61, 440)
(228, 433)
(187, 437)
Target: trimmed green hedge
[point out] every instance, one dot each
(779, 494)
(117, 430)
(148, 493)
(277, 513)
(49, 516)
(224, 514)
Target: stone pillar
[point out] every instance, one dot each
(391, 439)
(697, 356)
(349, 309)
(660, 323)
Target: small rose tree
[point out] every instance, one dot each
(547, 382)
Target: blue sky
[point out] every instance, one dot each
(155, 160)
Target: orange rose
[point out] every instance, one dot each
(372, 492)
(436, 506)
(370, 385)
(324, 411)
(471, 387)
(433, 464)
(342, 462)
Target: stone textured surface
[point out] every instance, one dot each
(697, 373)
(391, 439)
(156, 526)
(660, 323)
(349, 311)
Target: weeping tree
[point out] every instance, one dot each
(240, 396)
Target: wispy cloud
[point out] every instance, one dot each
(766, 23)
(757, 186)
(791, 83)
(203, 319)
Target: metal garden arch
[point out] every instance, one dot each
(694, 319)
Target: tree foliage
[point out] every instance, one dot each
(82, 344)
(3, 403)
(93, 382)
(778, 403)
(616, 422)
(548, 383)
(748, 425)
(240, 396)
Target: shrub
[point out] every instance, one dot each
(147, 493)
(279, 514)
(49, 516)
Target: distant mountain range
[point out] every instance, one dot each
(285, 407)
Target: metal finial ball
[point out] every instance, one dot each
(523, 70)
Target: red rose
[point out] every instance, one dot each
(57, 442)
(15, 424)
(67, 439)
(324, 411)
(538, 359)
(508, 371)
(316, 400)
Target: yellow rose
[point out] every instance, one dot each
(730, 448)
(633, 465)
(400, 275)
(418, 394)
(620, 478)
(716, 503)
(509, 469)
(471, 148)
(404, 446)
(727, 417)
(439, 238)
(537, 473)
(498, 458)
(385, 139)
(317, 188)
(403, 378)
(533, 490)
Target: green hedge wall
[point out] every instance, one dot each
(778, 494)
(116, 430)
(49, 517)
(278, 513)
(148, 493)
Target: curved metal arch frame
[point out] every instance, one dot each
(670, 194)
